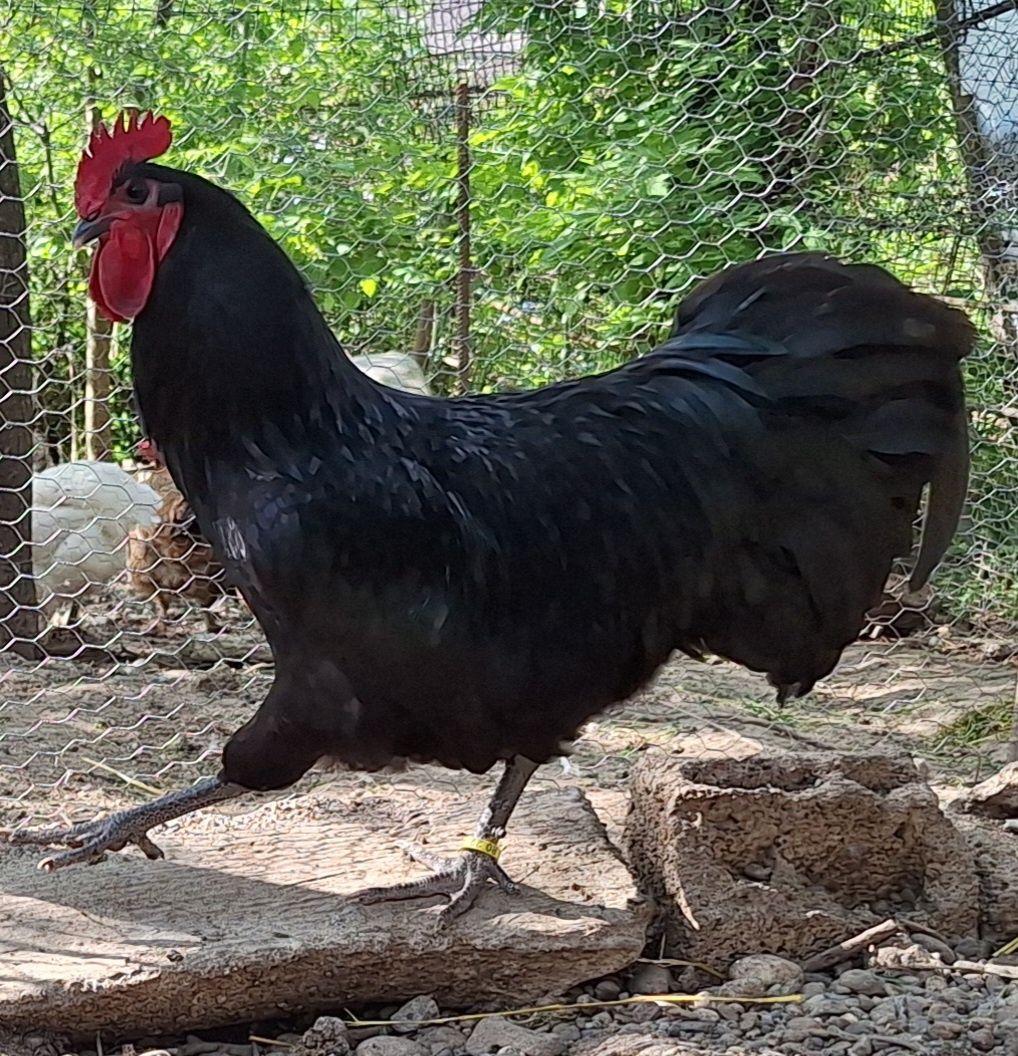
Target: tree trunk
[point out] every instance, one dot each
(18, 614)
(98, 433)
(424, 334)
(979, 43)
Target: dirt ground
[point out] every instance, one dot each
(78, 738)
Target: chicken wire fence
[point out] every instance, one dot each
(488, 194)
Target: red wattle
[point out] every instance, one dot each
(95, 290)
(123, 270)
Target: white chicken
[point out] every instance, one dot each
(398, 370)
(81, 514)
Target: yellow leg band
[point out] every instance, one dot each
(489, 847)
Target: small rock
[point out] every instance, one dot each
(407, 1018)
(495, 1033)
(327, 1036)
(800, 1029)
(766, 970)
(824, 1005)
(1006, 1013)
(863, 981)
(910, 956)
(607, 990)
(983, 1039)
(443, 1035)
(678, 1028)
(566, 1031)
(644, 1013)
(650, 979)
(862, 1047)
(812, 989)
(355, 1034)
(934, 945)
(954, 997)
(631, 1028)
(386, 1045)
(946, 1029)
(1008, 1035)
(973, 949)
(889, 1013)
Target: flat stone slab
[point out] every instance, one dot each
(250, 916)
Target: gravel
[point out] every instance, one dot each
(879, 1008)
(854, 1010)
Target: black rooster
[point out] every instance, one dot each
(467, 581)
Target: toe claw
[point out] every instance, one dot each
(151, 850)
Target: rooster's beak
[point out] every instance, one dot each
(89, 230)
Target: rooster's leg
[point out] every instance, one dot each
(90, 840)
(463, 878)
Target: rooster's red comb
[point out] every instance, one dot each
(134, 137)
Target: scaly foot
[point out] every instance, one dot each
(91, 840)
(462, 879)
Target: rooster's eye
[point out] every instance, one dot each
(136, 191)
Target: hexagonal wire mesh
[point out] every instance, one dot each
(510, 192)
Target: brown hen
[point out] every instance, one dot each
(171, 559)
